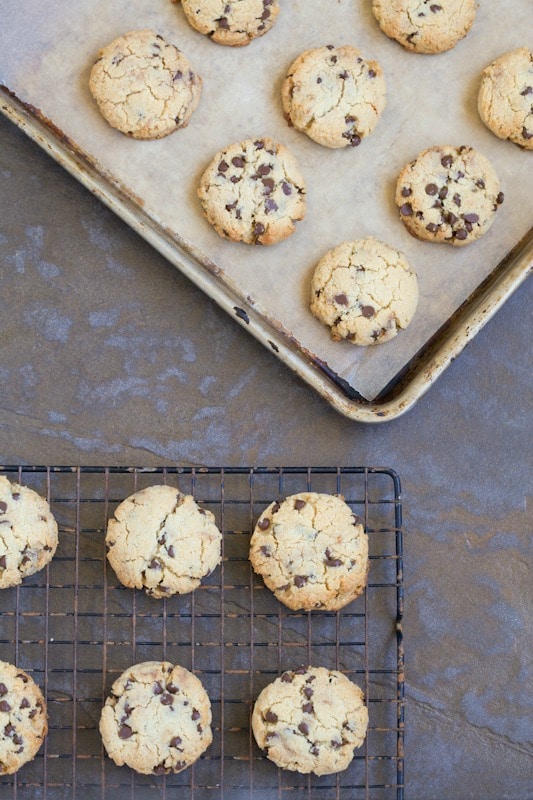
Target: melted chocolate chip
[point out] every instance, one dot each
(195, 714)
(314, 750)
(299, 504)
(287, 677)
(259, 144)
(336, 744)
(500, 198)
(223, 166)
(269, 185)
(457, 200)
(446, 161)
(300, 580)
(3, 689)
(371, 73)
(269, 716)
(432, 227)
(303, 727)
(406, 210)
(287, 188)
(3, 507)
(158, 688)
(124, 732)
(4, 706)
(263, 169)
(471, 217)
(259, 228)
(352, 137)
(223, 23)
(435, 8)
(308, 692)
(25, 703)
(265, 550)
(159, 770)
(461, 234)
(308, 708)
(175, 742)
(238, 161)
(301, 671)
(341, 299)
(166, 699)
(343, 75)
(270, 205)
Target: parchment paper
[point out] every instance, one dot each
(47, 49)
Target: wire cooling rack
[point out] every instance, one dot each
(75, 629)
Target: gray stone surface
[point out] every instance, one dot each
(109, 356)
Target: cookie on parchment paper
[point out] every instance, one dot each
(505, 98)
(448, 194)
(311, 551)
(253, 192)
(157, 719)
(365, 291)
(425, 26)
(144, 86)
(334, 95)
(28, 533)
(161, 541)
(231, 22)
(310, 720)
(23, 720)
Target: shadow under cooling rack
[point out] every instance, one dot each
(74, 628)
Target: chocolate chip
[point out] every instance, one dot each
(259, 144)
(223, 166)
(308, 692)
(526, 91)
(446, 161)
(263, 169)
(175, 742)
(308, 708)
(435, 8)
(303, 727)
(371, 73)
(333, 60)
(300, 671)
(443, 193)
(432, 227)
(352, 137)
(259, 228)
(406, 210)
(526, 134)
(159, 770)
(235, 179)
(275, 508)
(298, 504)
(319, 80)
(481, 183)
(269, 185)
(432, 188)
(341, 299)
(368, 311)
(124, 732)
(238, 161)
(271, 735)
(4, 706)
(263, 524)
(269, 716)
(223, 23)
(287, 188)
(500, 198)
(265, 550)
(25, 703)
(171, 552)
(333, 562)
(166, 699)
(9, 729)
(336, 744)
(451, 219)
(3, 507)
(314, 750)
(178, 75)
(195, 714)
(16, 495)
(330, 46)
(154, 564)
(17, 739)
(343, 75)
(457, 199)
(3, 689)
(406, 191)
(471, 217)
(300, 580)
(286, 677)
(461, 234)
(158, 688)
(270, 205)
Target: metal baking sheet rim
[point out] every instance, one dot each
(401, 394)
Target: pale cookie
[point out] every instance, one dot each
(253, 192)
(333, 95)
(23, 721)
(448, 194)
(144, 87)
(310, 720)
(28, 533)
(161, 541)
(365, 291)
(231, 22)
(425, 26)
(311, 551)
(505, 99)
(157, 719)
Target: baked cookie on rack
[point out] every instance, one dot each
(311, 551)
(448, 194)
(505, 98)
(23, 720)
(157, 719)
(231, 22)
(144, 86)
(365, 291)
(161, 541)
(310, 720)
(334, 95)
(253, 192)
(425, 26)
(28, 533)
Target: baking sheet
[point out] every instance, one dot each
(47, 50)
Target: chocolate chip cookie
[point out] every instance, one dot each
(425, 26)
(231, 22)
(23, 721)
(365, 291)
(253, 192)
(144, 87)
(310, 720)
(157, 719)
(448, 194)
(311, 551)
(333, 95)
(28, 533)
(161, 541)
(505, 99)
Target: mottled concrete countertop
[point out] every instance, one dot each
(109, 356)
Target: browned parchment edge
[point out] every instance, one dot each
(402, 392)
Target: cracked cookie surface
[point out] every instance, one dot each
(333, 95)
(425, 26)
(253, 192)
(157, 719)
(505, 98)
(365, 291)
(28, 533)
(311, 551)
(448, 194)
(23, 720)
(231, 22)
(161, 541)
(310, 720)
(144, 87)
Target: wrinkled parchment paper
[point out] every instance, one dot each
(46, 52)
